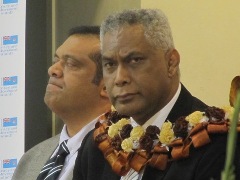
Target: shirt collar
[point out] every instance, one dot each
(75, 142)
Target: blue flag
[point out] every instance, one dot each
(9, 1)
(6, 122)
(8, 40)
(9, 163)
(11, 80)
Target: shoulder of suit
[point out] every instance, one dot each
(50, 143)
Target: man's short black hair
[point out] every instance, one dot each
(94, 30)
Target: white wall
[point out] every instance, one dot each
(12, 84)
(206, 34)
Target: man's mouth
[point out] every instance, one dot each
(125, 97)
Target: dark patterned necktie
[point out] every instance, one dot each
(53, 167)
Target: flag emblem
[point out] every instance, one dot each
(9, 1)
(9, 163)
(8, 40)
(8, 122)
(10, 80)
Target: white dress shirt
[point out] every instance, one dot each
(157, 120)
(73, 145)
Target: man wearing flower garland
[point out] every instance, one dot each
(141, 73)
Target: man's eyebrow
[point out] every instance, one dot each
(55, 55)
(133, 53)
(125, 57)
(65, 57)
(107, 58)
(95, 55)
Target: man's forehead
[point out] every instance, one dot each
(79, 45)
(125, 28)
(123, 33)
(125, 37)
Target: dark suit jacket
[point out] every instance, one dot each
(204, 163)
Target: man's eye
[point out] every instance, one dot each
(70, 62)
(136, 59)
(108, 64)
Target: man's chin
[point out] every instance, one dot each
(124, 110)
(50, 100)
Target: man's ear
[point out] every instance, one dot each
(173, 62)
(103, 91)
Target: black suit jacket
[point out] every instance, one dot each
(204, 163)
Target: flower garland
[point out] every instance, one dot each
(126, 147)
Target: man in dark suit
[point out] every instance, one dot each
(142, 78)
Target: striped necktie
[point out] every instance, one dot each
(53, 167)
(131, 175)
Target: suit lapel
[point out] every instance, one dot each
(183, 105)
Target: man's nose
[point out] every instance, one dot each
(122, 76)
(56, 70)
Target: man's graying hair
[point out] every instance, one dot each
(95, 56)
(155, 23)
